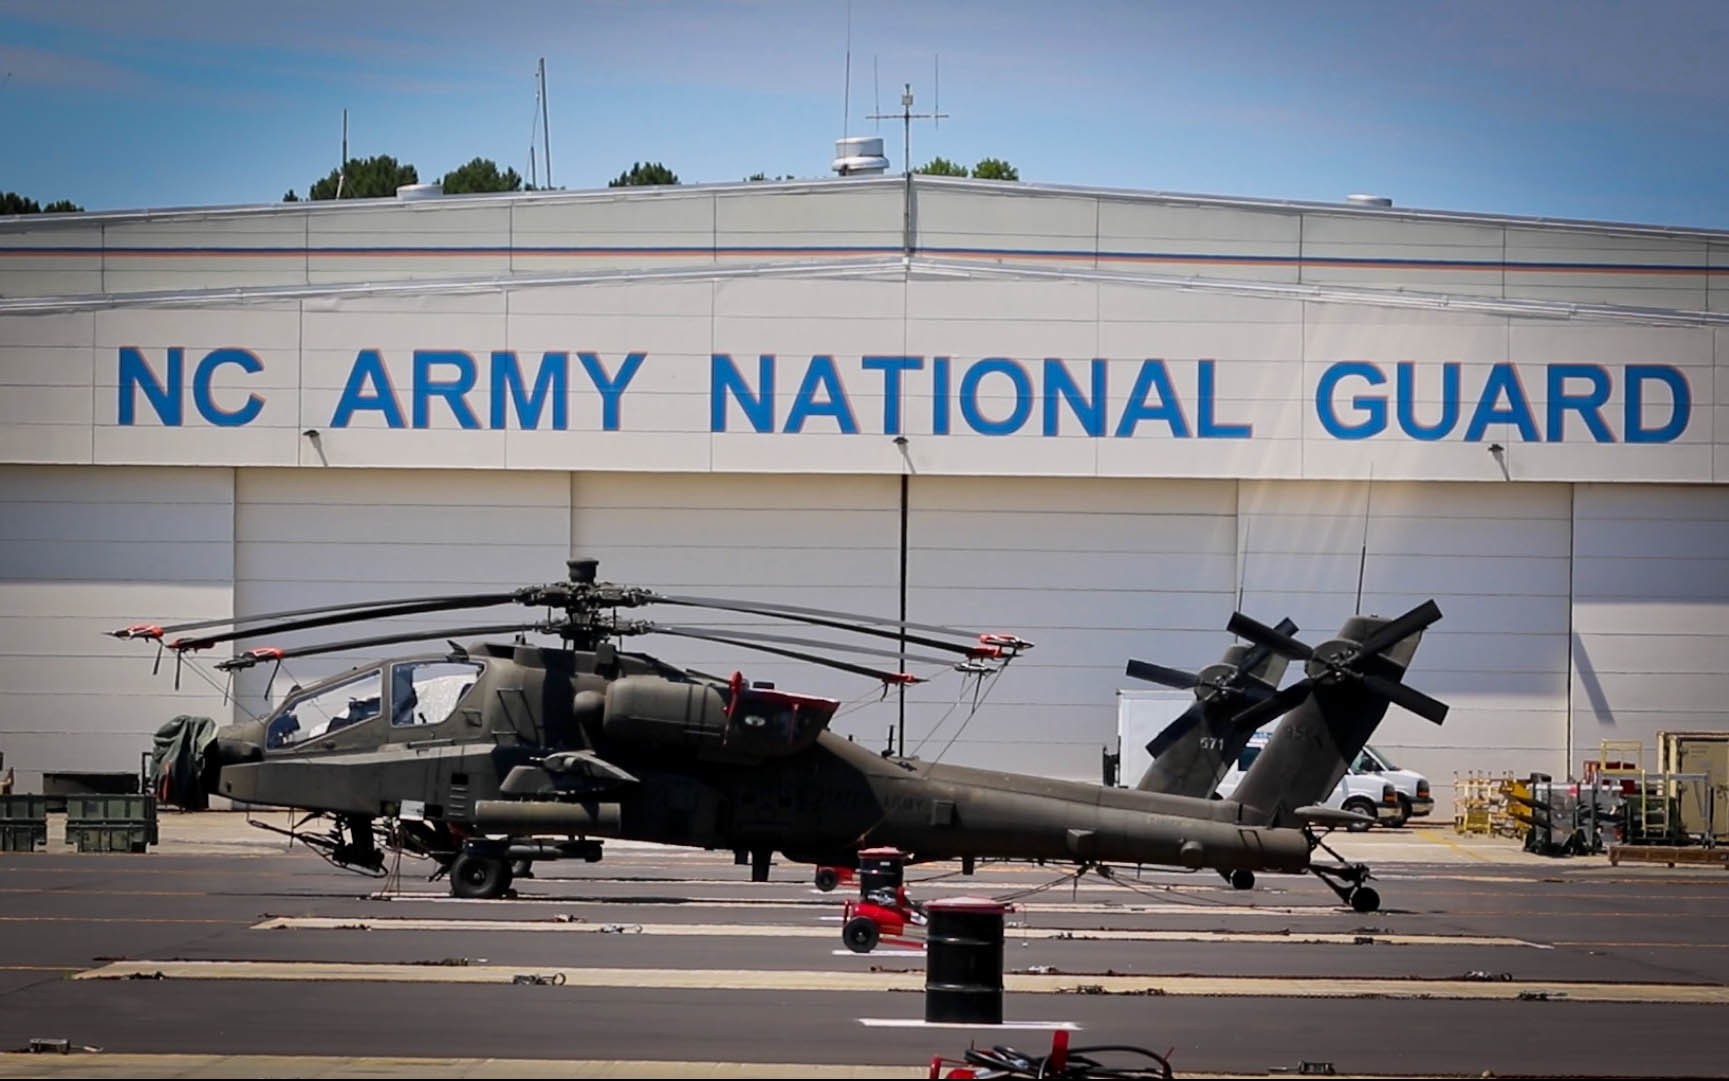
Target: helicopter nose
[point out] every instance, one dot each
(239, 743)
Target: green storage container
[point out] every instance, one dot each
(23, 823)
(101, 823)
(135, 838)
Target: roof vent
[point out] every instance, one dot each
(1368, 200)
(860, 155)
(419, 191)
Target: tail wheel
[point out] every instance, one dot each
(474, 876)
(860, 934)
(826, 878)
(1242, 879)
(1365, 899)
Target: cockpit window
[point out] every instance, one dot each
(320, 713)
(427, 692)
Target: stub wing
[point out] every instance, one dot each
(1315, 815)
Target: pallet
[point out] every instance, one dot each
(1668, 854)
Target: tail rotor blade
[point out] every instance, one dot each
(1275, 705)
(1255, 631)
(1399, 629)
(1430, 709)
(1158, 673)
(1255, 657)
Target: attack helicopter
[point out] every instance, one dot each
(493, 755)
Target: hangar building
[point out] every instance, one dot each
(1116, 417)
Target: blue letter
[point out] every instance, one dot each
(1375, 408)
(368, 368)
(610, 389)
(1589, 404)
(939, 395)
(551, 380)
(1152, 377)
(1503, 379)
(1681, 396)
(427, 388)
(1206, 427)
(135, 374)
(821, 375)
(1405, 389)
(970, 396)
(1059, 383)
(207, 407)
(722, 377)
(892, 367)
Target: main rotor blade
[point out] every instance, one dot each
(401, 608)
(1274, 705)
(844, 666)
(1278, 641)
(254, 656)
(1399, 629)
(1158, 673)
(148, 631)
(1175, 731)
(1430, 709)
(792, 640)
(817, 617)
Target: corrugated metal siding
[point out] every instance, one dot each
(1651, 617)
(84, 551)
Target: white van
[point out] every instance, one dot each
(1365, 793)
(1415, 800)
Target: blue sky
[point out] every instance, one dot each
(1580, 109)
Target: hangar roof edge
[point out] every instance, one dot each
(826, 185)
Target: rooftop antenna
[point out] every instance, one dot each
(342, 167)
(533, 137)
(1363, 556)
(906, 117)
(545, 131)
(846, 95)
(936, 89)
(876, 92)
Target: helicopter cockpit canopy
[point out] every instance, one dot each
(420, 692)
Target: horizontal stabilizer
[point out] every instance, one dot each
(1315, 815)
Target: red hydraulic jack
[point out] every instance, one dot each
(883, 909)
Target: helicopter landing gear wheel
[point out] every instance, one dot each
(1242, 879)
(485, 877)
(860, 934)
(826, 878)
(1365, 899)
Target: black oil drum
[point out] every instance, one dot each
(964, 961)
(880, 870)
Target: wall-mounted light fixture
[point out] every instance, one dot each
(317, 442)
(1499, 453)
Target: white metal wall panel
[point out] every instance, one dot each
(1037, 229)
(84, 551)
(1210, 242)
(671, 227)
(51, 258)
(818, 225)
(46, 388)
(227, 251)
(1402, 253)
(304, 537)
(1651, 595)
(1494, 557)
(1717, 281)
(419, 239)
(1601, 267)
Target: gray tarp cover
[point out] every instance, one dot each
(177, 759)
